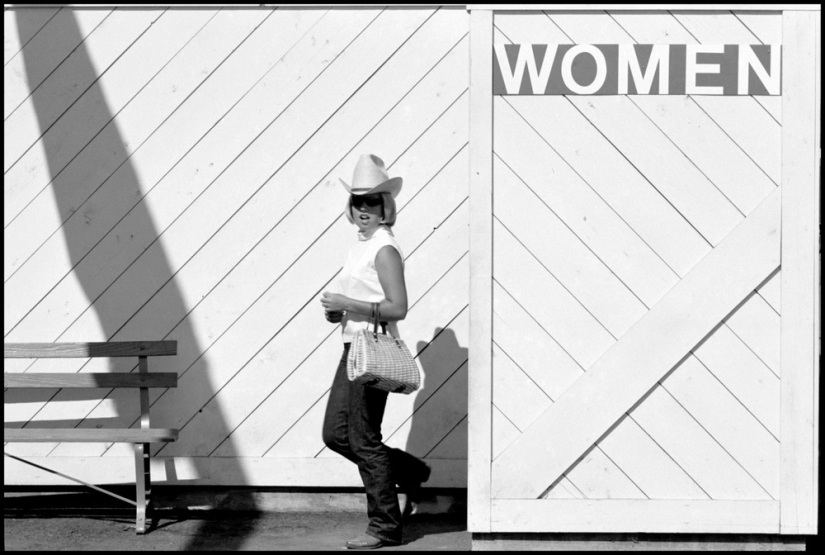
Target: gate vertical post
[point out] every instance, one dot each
(479, 450)
(800, 260)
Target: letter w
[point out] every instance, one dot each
(526, 59)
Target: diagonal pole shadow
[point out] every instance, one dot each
(127, 185)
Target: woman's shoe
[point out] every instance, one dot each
(412, 491)
(367, 542)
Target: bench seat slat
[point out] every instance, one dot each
(90, 350)
(80, 435)
(89, 380)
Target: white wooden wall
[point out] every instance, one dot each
(637, 297)
(172, 174)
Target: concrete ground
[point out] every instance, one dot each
(90, 523)
(223, 532)
(228, 519)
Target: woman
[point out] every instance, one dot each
(374, 272)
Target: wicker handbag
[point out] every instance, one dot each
(382, 361)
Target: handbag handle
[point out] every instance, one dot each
(376, 313)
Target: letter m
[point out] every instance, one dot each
(526, 58)
(643, 80)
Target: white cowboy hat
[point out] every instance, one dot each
(370, 177)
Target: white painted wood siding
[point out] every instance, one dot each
(173, 174)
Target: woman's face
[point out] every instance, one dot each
(367, 211)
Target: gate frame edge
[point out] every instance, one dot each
(479, 405)
(800, 273)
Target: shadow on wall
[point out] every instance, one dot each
(444, 365)
(123, 187)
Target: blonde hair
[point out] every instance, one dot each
(390, 211)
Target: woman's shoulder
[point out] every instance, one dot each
(387, 239)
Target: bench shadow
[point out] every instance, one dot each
(122, 187)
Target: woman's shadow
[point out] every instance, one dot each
(439, 431)
(124, 187)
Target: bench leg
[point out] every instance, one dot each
(142, 485)
(143, 481)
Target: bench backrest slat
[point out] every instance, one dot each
(89, 350)
(90, 380)
(88, 435)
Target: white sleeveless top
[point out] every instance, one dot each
(359, 279)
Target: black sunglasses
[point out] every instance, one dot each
(369, 200)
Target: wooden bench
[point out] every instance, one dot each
(143, 380)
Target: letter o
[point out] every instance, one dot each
(567, 69)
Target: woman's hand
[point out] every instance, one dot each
(334, 302)
(334, 306)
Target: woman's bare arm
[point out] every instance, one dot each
(390, 269)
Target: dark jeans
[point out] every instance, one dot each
(352, 428)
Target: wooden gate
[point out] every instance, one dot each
(642, 290)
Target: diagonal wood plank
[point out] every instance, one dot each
(693, 448)
(743, 119)
(731, 360)
(578, 205)
(531, 347)
(503, 432)
(20, 25)
(614, 383)
(665, 166)
(517, 396)
(758, 326)
(528, 28)
(323, 250)
(182, 241)
(553, 307)
(567, 257)
(727, 421)
(614, 179)
(771, 291)
(727, 28)
(649, 467)
(85, 128)
(50, 46)
(273, 246)
(439, 355)
(258, 431)
(648, 464)
(75, 158)
(453, 445)
(103, 184)
(435, 418)
(564, 490)
(598, 477)
(64, 86)
(195, 193)
(709, 148)
(688, 121)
